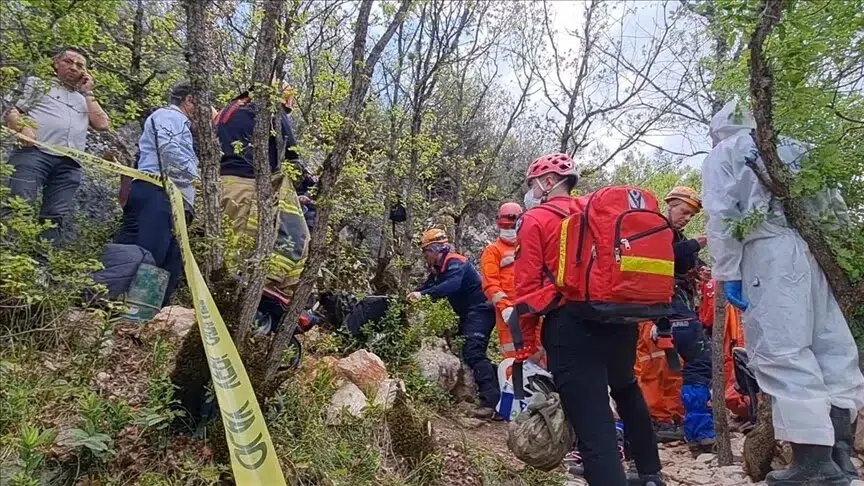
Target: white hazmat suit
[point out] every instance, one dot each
(800, 347)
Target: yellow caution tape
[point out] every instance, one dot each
(253, 458)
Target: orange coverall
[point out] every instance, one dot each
(660, 386)
(496, 270)
(736, 403)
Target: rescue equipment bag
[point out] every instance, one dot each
(541, 436)
(615, 258)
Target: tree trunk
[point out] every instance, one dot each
(267, 193)
(776, 176)
(136, 86)
(199, 56)
(361, 75)
(718, 379)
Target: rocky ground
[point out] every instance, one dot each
(467, 446)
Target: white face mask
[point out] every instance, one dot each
(507, 234)
(531, 201)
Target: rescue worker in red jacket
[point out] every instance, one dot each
(586, 358)
(455, 279)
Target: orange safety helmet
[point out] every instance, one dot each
(432, 236)
(687, 195)
(508, 213)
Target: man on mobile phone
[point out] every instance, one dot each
(56, 112)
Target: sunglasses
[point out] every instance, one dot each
(509, 217)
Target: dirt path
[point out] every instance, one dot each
(680, 467)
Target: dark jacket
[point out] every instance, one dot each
(236, 123)
(457, 281)
(686, 260)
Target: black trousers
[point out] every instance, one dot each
(586, 357)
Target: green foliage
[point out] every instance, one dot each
(741, 228)
(30, 456)
(396, 339)
(38, 281)
(161, 409)
(322, 454)
(425, 392)
(816, 55)
(126, 81)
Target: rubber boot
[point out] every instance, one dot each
(841, 419)
(811, 466)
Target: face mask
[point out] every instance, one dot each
(529, 201)
(507, 234)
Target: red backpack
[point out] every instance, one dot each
(615, 258)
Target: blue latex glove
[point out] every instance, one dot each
(732, 289)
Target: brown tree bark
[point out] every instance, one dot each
(776, 176)
(362, 67)
(718, 380)
(199, 56)
(267, 193)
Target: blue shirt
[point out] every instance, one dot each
(176, 149)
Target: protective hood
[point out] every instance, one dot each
(729, 121)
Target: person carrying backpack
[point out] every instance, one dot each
(455, 279)
(588, 358)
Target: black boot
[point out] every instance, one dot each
(645, 480)
(811, 466)
(841, 419)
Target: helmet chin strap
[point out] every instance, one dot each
(546, 192)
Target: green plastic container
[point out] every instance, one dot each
(145, 295)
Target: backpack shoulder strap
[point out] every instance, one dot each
(555, 209)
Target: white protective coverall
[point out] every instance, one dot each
(800, 347)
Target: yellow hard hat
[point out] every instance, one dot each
(686, 194)
(432, 236)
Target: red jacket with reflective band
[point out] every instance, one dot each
(537, 255)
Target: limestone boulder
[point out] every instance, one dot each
(364, 369)
(387, 393)
(347, 398)
(437, 364)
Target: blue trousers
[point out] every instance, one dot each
(58, 177)
(693, 346)
(475, 326)
(147, 223)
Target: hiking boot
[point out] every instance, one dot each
(645, 480)
(841, 453)
(484, 413)
(811, 466)
(701, 446)
(668, 432)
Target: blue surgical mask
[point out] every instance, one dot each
(507, 234)
(529, 201)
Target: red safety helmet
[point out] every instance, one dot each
(508, 213)
(556, 163)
